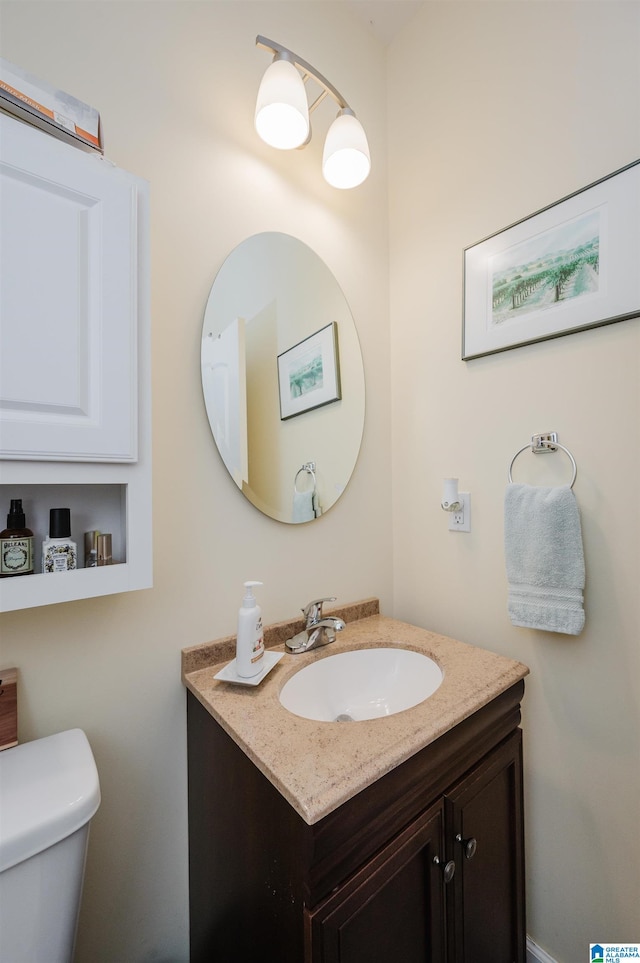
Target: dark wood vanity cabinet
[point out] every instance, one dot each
(484, 834)
(392, 908)
(449, 887)
(424, 866)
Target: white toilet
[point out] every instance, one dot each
(49, 791)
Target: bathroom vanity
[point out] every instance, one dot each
(391, 839)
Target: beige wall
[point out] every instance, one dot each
(495, 110)
(176, 84)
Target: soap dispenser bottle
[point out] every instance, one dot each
(250, 641)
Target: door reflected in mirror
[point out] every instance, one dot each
(282, 377)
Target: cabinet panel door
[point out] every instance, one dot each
(390, 910)
(68, 301)
(486, 914)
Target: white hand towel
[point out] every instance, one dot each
(544, 558)
(303, 506)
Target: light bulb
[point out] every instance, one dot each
(345, 161)
(282, 111)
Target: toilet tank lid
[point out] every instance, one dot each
(49, 788)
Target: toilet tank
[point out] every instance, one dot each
(49, 791)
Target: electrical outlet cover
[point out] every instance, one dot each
(461, 521)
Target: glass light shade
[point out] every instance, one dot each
(282, 111)
(346, 161)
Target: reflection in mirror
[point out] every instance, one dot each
(282, 377)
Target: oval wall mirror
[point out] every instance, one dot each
(282, 377)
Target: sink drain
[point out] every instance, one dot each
(344, 717)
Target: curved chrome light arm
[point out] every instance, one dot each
(307, 71)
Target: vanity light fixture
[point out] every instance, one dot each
(282, 117)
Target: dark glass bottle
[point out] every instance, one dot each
(16, 543)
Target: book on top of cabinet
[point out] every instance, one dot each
(50, 109)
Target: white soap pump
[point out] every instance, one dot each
(250, 641)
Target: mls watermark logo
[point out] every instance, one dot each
(613, 952)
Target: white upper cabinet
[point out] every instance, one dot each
(75, 360)
(68, 301)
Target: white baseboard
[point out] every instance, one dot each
(535, 953)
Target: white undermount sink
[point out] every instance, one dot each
(361, 684)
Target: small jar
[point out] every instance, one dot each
(91, 549)
(104, 550)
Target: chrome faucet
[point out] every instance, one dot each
(317, 631)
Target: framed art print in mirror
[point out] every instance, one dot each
(309, 373)
(569, 267)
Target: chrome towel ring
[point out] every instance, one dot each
(542, 444)
(309, 468)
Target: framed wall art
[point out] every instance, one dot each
(571, 266)
(309, 373)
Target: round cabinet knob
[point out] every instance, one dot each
(469, 845)
(448, 870)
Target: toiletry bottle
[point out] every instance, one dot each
(16, 543)
(59, 552)
(249, 642)
(91, 549)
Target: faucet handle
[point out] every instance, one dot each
(312, 612)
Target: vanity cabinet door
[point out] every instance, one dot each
(390, 910)
(484, 829)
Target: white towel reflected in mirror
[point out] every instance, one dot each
(303, 506)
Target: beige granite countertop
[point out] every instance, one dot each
(317, 766)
